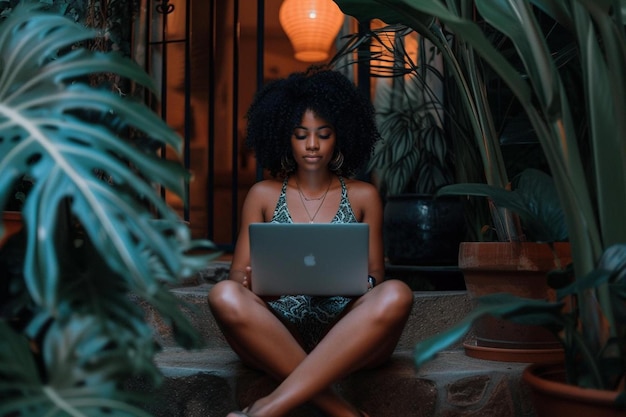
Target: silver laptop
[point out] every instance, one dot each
(310, 259)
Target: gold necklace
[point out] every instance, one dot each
(316, 198)
(302, 198)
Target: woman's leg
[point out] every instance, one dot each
(364, 337)
(262, 341)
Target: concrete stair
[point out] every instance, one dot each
(211, 381)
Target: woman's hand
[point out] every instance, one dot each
(243, 276)
(247, 277)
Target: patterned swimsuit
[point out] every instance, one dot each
(310, 315)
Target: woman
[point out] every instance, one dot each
(312, 131)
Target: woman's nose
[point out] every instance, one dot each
(312, 142)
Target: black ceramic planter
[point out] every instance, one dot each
(421, 230)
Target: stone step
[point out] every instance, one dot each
(212, 381)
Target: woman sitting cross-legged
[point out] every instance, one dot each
(312, 131)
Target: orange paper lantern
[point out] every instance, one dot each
(311, 26)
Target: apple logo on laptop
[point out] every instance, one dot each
(309, 260)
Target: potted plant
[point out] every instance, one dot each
(487, 265)
(518, 267)
(71, 334)
(470, 119)
(524, 236)
(415, 156)
(588, 317)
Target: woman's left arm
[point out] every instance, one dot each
(367, 206)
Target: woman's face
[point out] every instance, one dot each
(313, 142)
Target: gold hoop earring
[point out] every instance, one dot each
(336, 163)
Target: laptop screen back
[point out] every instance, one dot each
(310, 259)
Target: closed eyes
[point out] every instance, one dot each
(303, 133)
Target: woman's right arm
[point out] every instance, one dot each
(260, 200)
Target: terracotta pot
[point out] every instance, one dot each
(422, 230)
(518, 268)
(12, 224)
(552, 397)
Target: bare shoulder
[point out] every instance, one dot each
(261, 200)
(364, 199)
(361, 190)
(266, 188)
(264, 193)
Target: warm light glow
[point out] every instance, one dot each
(383, 48)
(311, 26)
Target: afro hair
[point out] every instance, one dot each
(278, 107)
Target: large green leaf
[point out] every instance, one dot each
(82, 366)
(516, 20)
(97, 227)
(533, 197)
(603, 56)
(53, 131)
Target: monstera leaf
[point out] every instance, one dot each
(60, 131)
(97, 228)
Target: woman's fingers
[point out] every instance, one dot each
(247, 277)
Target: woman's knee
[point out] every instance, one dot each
(225, 297)
(395, 299)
